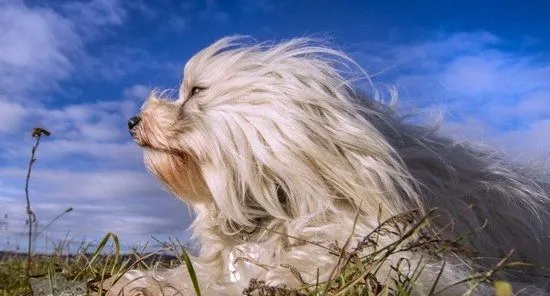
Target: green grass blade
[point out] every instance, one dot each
(102, 245)
(191, 271)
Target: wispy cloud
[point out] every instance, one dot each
(489, 92)
(212, 11)
(37, 47)
(43, 46)
(137, 91)
(96, 13)
(12, 115)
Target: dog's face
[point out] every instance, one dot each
(222, 110)
(260, 132)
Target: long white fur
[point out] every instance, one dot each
(278, 148)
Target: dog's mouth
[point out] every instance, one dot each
(135, 134)
(140, 142)
(145, 143)
(148, 147)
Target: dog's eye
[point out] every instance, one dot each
(195, 90)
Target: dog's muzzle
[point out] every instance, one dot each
(132, 124)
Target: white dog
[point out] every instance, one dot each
(283, 162)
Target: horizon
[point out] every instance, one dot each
(81, 68)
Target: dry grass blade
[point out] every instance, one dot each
(36, 133)
(434, 285)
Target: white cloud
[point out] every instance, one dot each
(535, 105)
(37, 45)
(420, 55)
(43, 46)
(535, 137)
(125, 154)
(490, 94)
(138, 92)
(92, 133)
(103, 201)
(97, 12)
(13, 116)
(74, 185)
(495, 73)
(86, 122)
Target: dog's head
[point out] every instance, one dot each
(268, 131)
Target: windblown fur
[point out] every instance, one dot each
(280, 157)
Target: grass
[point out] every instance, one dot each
(358, 271)
(91, 266)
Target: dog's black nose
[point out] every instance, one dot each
(133, 122)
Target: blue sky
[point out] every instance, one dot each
(81, 68)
